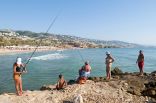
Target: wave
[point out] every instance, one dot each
(50, 57)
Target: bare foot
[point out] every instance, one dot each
(19, 94)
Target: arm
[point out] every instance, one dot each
(143, 57)
(105, 61)
(112, 59)
(137, 60)
(65, 83)
(24, 68)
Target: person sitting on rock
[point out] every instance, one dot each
(84, 72)
(61, 84)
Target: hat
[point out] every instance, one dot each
(19, 61)
(107, 53)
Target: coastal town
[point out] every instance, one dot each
(24, 41)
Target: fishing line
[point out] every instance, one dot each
(50, 26)
(81, 56)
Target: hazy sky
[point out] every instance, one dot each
(125, 20)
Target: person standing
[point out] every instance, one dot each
(17, 72)
(140, 62)
(108, 61)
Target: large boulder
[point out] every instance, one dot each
(116, 71)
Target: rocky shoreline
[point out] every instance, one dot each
(122, 88)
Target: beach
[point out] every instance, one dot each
(26, 49)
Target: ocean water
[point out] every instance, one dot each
(45, 67)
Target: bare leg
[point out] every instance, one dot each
(106, 72)
(141, 71)
(20, 86)
(17, 86)
(109, 73)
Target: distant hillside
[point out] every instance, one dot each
(9, 37)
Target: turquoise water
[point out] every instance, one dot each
(45, 67)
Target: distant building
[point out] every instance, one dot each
(7, 32)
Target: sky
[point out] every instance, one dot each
(125, 20)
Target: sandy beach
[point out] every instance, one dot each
(25, 49)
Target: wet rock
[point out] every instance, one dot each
(116, 71)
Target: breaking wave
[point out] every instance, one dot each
(50, 57)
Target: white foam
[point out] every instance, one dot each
(49, 57)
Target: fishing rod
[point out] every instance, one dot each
(50, 26)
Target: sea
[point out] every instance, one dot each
(44, 67)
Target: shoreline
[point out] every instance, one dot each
(27, 49)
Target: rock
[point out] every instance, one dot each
(90, 78)
(116, 71)
(70, 82)
(149, 92)
(154, 72)
(101, 78)
(44, 87)
(78, 99)
(134, 91)
(116, 77)
(126, 73)
(96, 79)
(151, 84)
(146, 74)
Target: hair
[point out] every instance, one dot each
(140, 51)
(60, 76)
(87, 62)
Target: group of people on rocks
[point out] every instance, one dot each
(84, 72)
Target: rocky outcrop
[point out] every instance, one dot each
(122, 88)
(90, 92)
(116, 71)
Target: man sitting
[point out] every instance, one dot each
(84, 73)
(61, 83)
